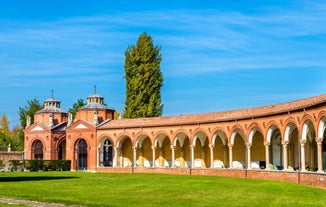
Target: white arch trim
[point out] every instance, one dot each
(322, 127)
(237, 131)
(252, 133)
(222, 136)
(270, 133)
(289, 128)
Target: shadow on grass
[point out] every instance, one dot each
(34, 178)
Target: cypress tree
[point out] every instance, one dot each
(143, 79)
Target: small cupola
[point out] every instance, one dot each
(52, 102)
(95, 98)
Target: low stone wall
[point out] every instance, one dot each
(6, 156)
(305, 178)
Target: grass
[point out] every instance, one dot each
(98, 189)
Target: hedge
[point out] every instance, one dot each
(40, 165)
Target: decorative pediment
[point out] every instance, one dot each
(81, 126)
(37, 128)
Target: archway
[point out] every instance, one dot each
(144, 152)
(258, 159)
(38, 150)
(292, 135)
(81, 154)
(125, 152)
(310, 147)
(239, 149)
(324, 150)
(106, 153)
(201, 151)
(220, 150)
(276, 149)
(182, 151)
(163, 153)
(62, 150)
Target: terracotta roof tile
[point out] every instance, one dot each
(217, 116)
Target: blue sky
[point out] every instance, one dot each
(217, 55)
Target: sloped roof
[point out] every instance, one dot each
(51, 109)
(217, 116)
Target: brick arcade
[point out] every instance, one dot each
(268, 142)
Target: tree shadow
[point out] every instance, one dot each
(34, 178)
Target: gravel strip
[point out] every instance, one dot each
(31, 203)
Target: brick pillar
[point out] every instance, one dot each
(211, 147)
(267, 154)
(153, 151)
(285, 154)
(303, 156)
(230, 156)
(319, 141)
(173, 156)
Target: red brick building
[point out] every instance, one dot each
(285, 137)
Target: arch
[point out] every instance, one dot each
(236, 131)
(310, 145)
(37, 150)
(288, 130)
(140, 139)
(252, 132)
(257, 149)
(179, 134)
(125, 153)
(180, 137)
(274, 137)
(61, 149)
(202, 136)
(106, 152)
(81, 154)
(307, 130)
(181, 144)
(159, 139)
(140, 136)
(201, 150)
(222, 135)
(220, 150)
(322, 126)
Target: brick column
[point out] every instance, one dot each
(211, 147)
(153, 151)
(230, 156)
(303, 156)
(173, 156)
(267, 154)
(319, 141)
(285, 154)
(248, 156)
(192, 155)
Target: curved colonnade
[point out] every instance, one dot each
(289, 136)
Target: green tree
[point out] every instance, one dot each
(32, 107)
(143, 79)
(4, 123)
(75, 106)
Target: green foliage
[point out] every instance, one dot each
(4, 123)
(143, 79)
(32, 107)
(47, 165)
(75, 106)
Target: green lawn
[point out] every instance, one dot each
(99, 189)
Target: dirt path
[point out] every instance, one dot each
(31, 203)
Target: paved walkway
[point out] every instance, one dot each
(31, 203)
